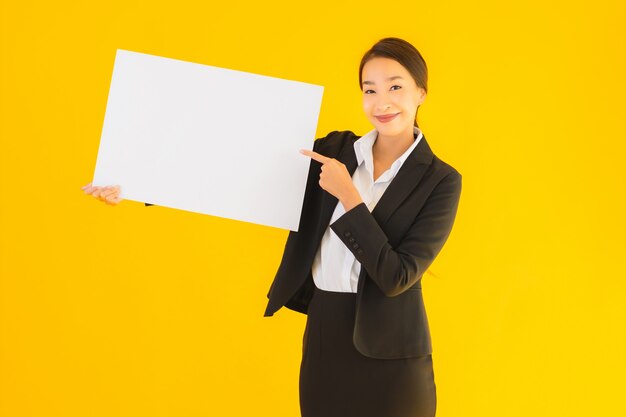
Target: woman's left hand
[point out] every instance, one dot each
(336, 179)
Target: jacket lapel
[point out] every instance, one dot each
(406, 179)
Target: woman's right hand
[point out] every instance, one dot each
(110, 194)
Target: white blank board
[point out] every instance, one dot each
(207, 139)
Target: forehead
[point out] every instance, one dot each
(381, 68)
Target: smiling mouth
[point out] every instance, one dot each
(386, 117)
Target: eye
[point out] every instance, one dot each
(366, 91)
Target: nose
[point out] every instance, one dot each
(381, 107)
(383, 102)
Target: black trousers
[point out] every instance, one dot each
(336, 380)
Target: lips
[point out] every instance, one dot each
(386, 118)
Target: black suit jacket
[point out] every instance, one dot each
(395, 244)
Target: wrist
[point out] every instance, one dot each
(351, 201)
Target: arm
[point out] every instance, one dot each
(396, 269)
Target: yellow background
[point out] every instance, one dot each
(133, 310)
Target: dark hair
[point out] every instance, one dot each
(405, 54)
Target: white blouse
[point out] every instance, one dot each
(335, 267)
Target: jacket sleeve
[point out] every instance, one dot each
(395, 270)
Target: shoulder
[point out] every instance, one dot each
(334, 141)
(441, 167)
(445, 169)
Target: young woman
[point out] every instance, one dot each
(377, 210)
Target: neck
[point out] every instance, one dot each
(391, 147)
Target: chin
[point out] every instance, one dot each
(388, 129)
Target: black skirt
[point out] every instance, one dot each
(338, 380)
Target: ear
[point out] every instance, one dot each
(421, 96)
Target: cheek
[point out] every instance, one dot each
(408, 102)
(367, 104)
(405, 100)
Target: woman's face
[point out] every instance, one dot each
(384, 94)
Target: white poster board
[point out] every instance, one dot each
(207, 139)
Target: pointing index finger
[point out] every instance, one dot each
(314, 155)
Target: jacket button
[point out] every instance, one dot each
(360, 251)
(351, 240)
(356, 246)
(347, 233)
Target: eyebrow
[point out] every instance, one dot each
(388, 79)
